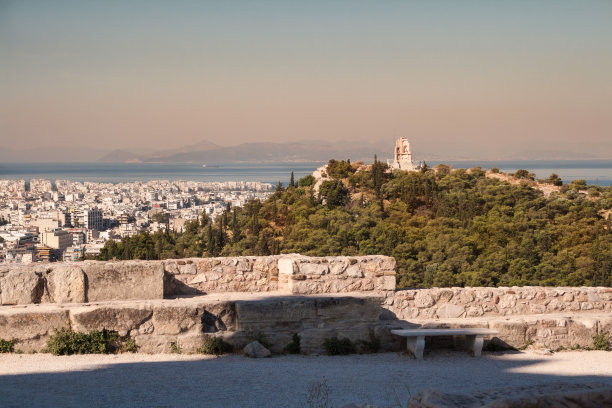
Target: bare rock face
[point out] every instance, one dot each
(67, 284)
(21, 287)
(256, 350)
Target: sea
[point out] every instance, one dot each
(595, 172)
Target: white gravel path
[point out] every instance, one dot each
(140, 380)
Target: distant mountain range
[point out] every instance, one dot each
(208, 152)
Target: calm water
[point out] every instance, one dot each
(598, 172)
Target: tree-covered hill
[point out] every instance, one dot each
(444, 227)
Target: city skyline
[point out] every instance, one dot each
(473, 79)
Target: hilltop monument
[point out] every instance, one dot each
(403, 156)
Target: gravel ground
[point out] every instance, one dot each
(140, 380)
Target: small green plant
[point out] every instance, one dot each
(215, 346)
(129, 346)
(7, 346)
(526, 345)
(318, 395)
(66, 342)
(335, 346)
(175, 348)
(601, 342)
(369, 346)
(295, 346)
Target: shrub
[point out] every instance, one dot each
(66, 342)
(294, 347)
(129, 346)
(306, 181)
(7, 346)
(601, 342)
(216, 346)
(175, 348)
(335, 346)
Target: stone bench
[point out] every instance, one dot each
(415, 338)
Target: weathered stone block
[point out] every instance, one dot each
(124, 280)
(423, 299)
(66, 284)
(122, 319)
(169, 319)
(31, 329)
(21, 287)
(447, 310)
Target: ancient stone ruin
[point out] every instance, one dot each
(241, 299)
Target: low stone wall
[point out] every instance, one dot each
(155, 324)
(217, 275)
(443, 303)
(93, 281)
(338, 274)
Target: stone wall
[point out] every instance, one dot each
(155, 324)
(307, 275)
(442, 303)
(93, 281)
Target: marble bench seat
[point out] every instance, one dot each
(415, 338)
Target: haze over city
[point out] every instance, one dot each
(472, 79)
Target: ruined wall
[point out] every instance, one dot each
(476, 302)
(93, 281)
(155, 324)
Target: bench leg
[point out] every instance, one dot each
(416, 345)
(474, 344)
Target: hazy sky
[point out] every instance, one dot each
(479, 76)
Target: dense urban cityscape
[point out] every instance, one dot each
(42, 221)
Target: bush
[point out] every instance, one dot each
(7, 346)
(294, 347)
(335, 346)
(601, 342)
(175, 348)
(306, 181)
(216, 346)
(66, 342)
(129, 346)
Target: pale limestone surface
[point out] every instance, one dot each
(167, 380)
(66, 284)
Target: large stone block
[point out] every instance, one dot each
(21, 287)
(169, 319)
(66, 284)
(122, 319)
(281, 313)
(124, 280)
(31, 329)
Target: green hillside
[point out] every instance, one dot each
(444, 227)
